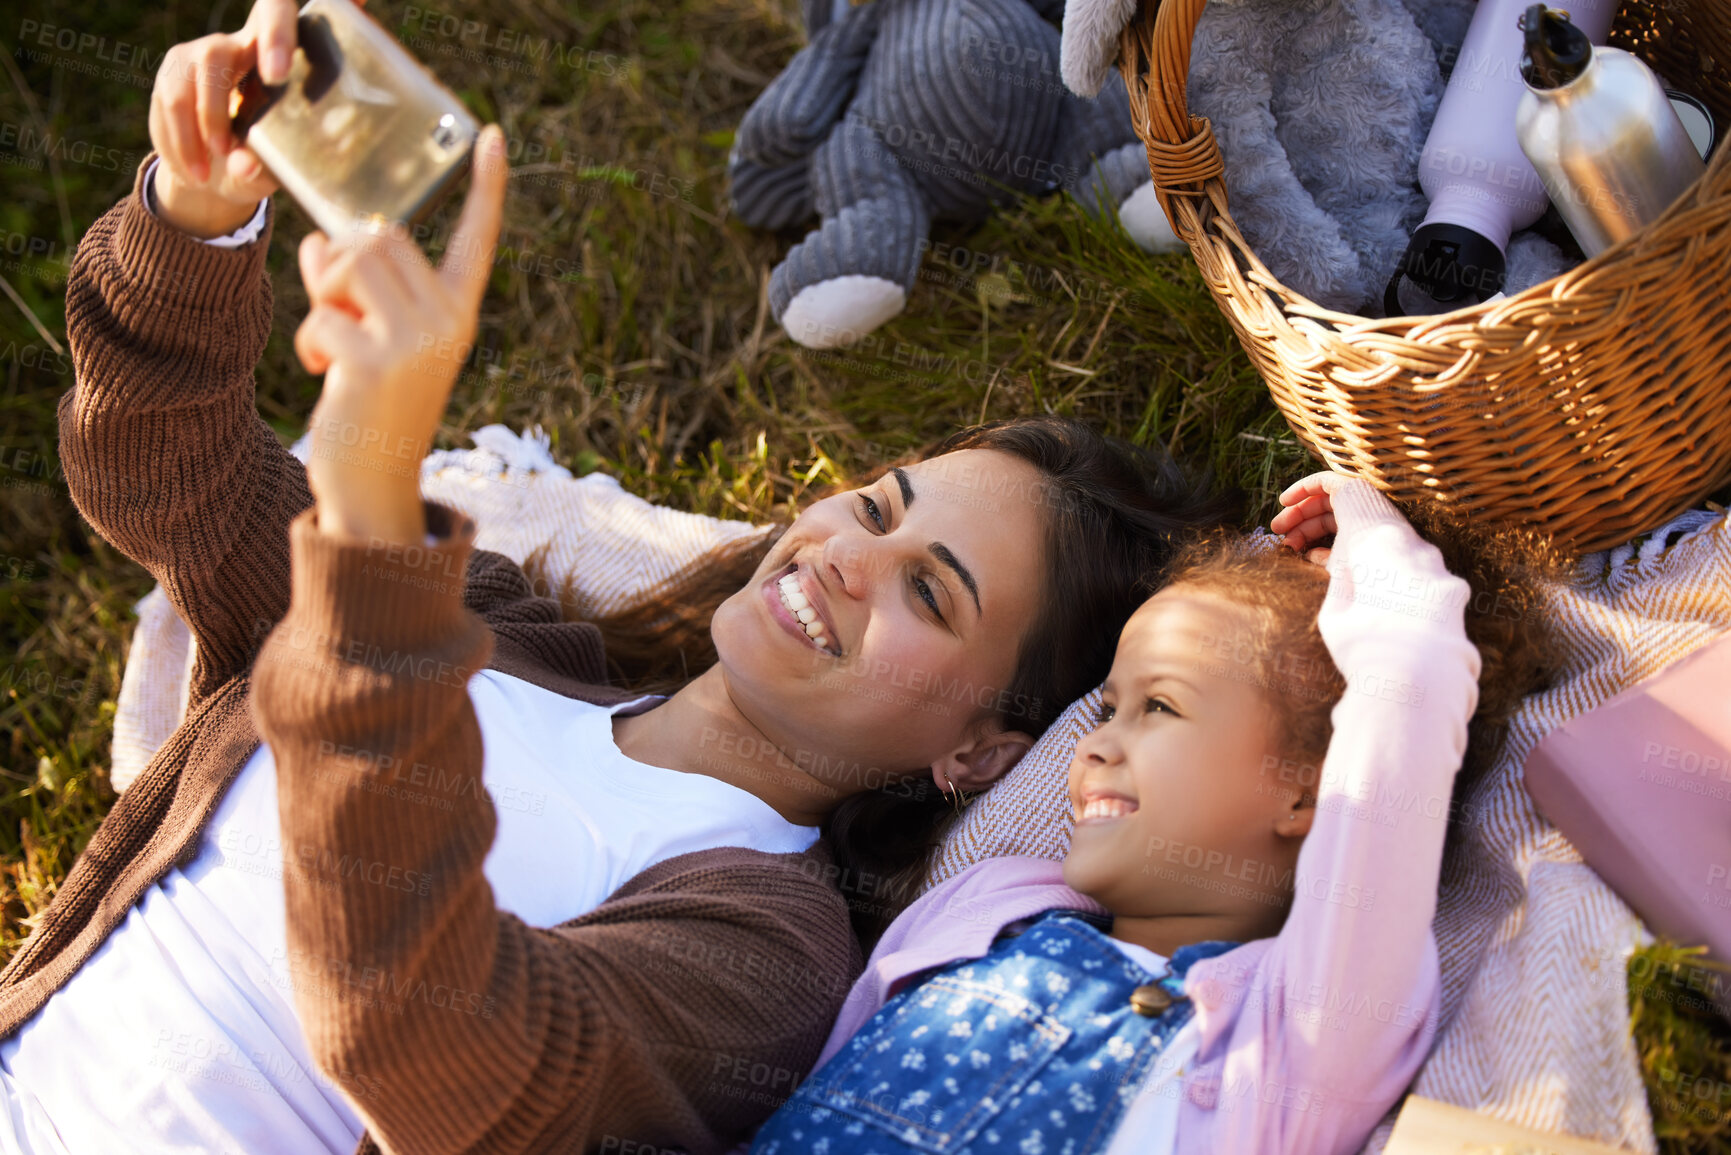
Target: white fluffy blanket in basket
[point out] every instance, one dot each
(1532, 943)
(610, 544)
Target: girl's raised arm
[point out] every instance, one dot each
(1341, 1007)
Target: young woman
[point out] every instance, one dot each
(463, 895)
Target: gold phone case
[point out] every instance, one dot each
(361, 133)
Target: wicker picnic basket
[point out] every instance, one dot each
(1593, 406)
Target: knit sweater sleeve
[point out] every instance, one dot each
(161, 442)
(1309, 1039)
(452, 1025)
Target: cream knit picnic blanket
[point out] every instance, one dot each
(1532, 944)
(613, 545)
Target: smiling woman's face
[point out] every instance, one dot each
(918, 590)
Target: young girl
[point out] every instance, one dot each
(1238, 955)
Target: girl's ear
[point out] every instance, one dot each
(982, 761)
(1295, 823)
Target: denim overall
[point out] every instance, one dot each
(1034, 1049)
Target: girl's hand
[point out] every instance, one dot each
(1385, 582)
(206, 185)
(1308, 518)
(390, 332)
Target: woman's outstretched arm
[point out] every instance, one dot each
(454, 1026)
(675, 1015)
(161, 443)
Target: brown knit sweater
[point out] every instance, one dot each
(647, 1023)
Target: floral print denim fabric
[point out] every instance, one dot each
(1032, 1050)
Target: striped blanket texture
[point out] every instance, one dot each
(1532, 944)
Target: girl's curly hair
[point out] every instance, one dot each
(1284, 654)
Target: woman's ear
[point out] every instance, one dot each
(982, 761)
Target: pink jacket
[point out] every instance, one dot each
(1308, 1038)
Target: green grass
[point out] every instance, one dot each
(628, 316)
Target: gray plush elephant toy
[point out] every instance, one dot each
(901, 112)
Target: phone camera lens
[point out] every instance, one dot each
(445, 132)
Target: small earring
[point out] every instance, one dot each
(957, 799)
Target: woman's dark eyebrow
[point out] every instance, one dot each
(943, 554)
(907, 487)
(938, 548)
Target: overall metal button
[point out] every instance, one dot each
(1151, 999)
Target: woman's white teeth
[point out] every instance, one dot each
(1107, 808)
(800, 606)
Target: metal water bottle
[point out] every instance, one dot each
(1600, 132)
(1481, 187)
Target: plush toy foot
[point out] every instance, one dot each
(1145, 221)
(841, 310)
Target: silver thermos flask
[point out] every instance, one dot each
(1600, 132)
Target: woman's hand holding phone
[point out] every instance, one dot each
(390, 332)
(206, 185)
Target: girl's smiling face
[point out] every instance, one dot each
(1179, 808)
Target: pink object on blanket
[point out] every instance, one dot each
(1642, 786)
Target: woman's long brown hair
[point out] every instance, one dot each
(658, 644)
(1112, 513)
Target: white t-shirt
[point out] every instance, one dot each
(1150, 1125)
(179, 1033)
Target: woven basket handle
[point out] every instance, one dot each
(1154, 58)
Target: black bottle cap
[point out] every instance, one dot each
(1454, 265)
(1556, 50)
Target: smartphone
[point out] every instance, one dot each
(361, 134)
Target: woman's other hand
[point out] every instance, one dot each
(390, 332)
(207, 185)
